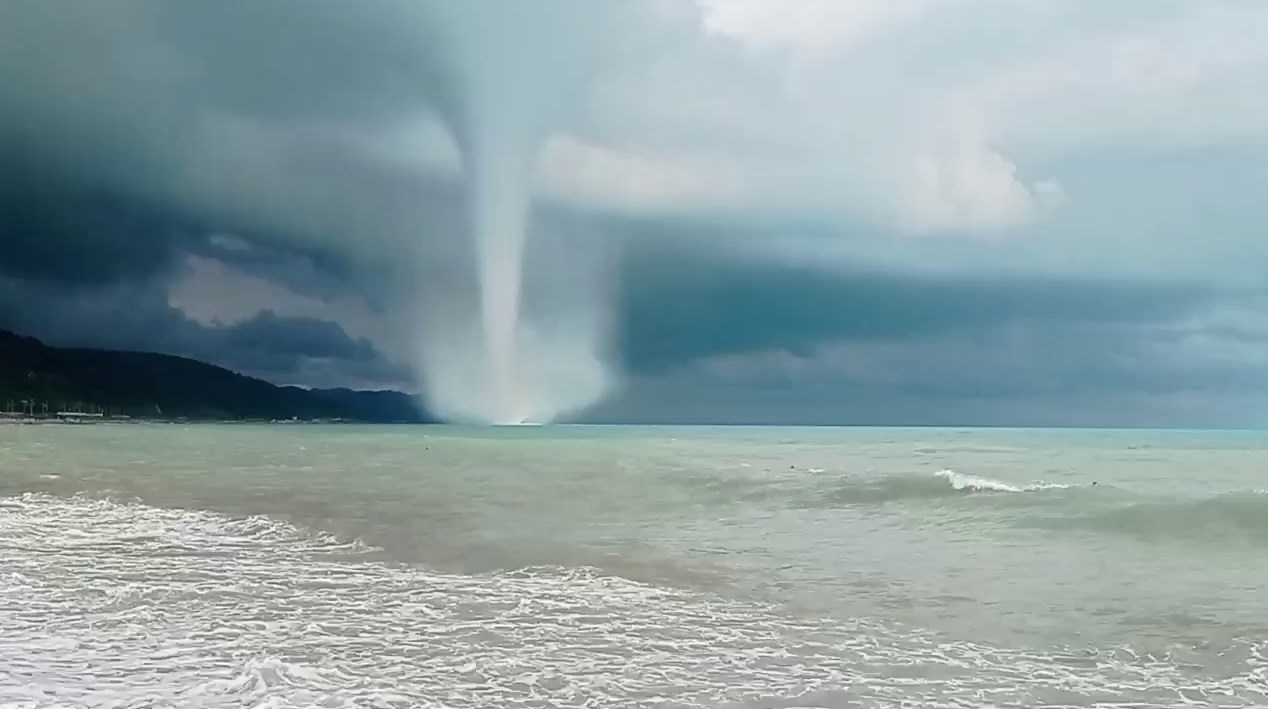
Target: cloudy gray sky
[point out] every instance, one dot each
(805, 211)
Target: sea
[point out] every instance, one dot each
(604, 567)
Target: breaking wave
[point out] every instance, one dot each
(1060, 507)
(123, 604)
(972, 483)
(914, 486)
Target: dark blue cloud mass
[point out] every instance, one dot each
(682, 306)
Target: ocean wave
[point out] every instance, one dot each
(914, 486)
(973, 483)
(92, 619)
(1226, 516)
(1055, 506)
(112, 523)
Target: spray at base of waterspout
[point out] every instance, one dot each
(514, 416)
(558, 371)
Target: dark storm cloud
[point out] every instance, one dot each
(292, 60)
(681, 304)
(1156, 371)
(693, 400)
(303, 337)
(134, 134)
(293, 350)
(77, 234)
(710, 339)
(135, 316)
(123, 126)
(319, 274)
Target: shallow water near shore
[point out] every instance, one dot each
(302, 566)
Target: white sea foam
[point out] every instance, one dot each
(122, 604)
(961, 481)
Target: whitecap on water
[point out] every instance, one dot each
(961, 481)
(109, 604)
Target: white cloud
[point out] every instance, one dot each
(815, 26)
(1183, 78)
(578, 170)
(1150, 65)
(972, 188)
(937, 116)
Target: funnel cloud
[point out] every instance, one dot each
(511, 73)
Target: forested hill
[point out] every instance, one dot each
(149, 385)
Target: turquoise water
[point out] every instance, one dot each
(631, 566)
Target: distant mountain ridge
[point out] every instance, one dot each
(151, 385)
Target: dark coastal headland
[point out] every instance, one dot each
(42, 383)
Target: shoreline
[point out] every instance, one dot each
(55, 421)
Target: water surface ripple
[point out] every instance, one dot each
(108, 600)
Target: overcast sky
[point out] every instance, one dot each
(793, 211)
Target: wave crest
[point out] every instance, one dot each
(1230, 515)
(915, 486)
(973, 483)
